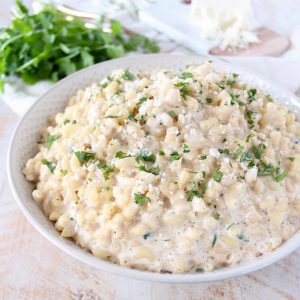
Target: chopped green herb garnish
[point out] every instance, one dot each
(174, 156)
(141, 199)
(186, 75)
(51, 139)
(84, 157)
(230, 82)
(127, 75)
(141, 101)
(216, 216)
(183, 88)
(224, 151)
(214, 241)
(234, 98)
(131, 117)
(209, 101)
(280, 177)
(172, 114)
(193, 194)
(238, 151)
(246, 156)
(161, 153)
(257, 150)
(186, 148)
(265, 170)
(145, 156)
(66, 121)
(251, 94)
(269, 98)
(217, 175)
(106, 170)
(51, 165)
(112, 117)
(249, 117)
(152, 170)
(291, 158)
(147, 235)
(251, 135)
(203, 157)
(121, 154)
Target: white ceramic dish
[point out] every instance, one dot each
(23, 147)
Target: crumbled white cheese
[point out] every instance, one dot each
(227, 21)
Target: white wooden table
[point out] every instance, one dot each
(32, 268)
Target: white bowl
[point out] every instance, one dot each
(23, 147)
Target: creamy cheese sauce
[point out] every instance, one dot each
(171, 171)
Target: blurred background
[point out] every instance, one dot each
(263, 36)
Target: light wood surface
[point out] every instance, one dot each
(32, 268)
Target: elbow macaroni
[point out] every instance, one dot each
(171, 171)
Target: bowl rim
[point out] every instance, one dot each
(82, 255)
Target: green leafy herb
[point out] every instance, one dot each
(246, 156)
(214, 241)
(216, 216)
(193, 194)
(47, 45)
(147, 235)
(106, 170)
(141, 101)
(291, 158)
(251, 135)
(183, 88)
(203, 157)
(257, 150)
(172, 114)
(243, 238)
(152, 170)
(145, 156)
(127, 75)
(131, 117)
(230, 82)
(174, 156)
(84, 157)
(249, 117)
(141, 199)
(265, 170)
(234, 98)
(51, 165)
(251, 94)
(66, 121)
(280, 177)
(186, 75)
(121, 154)
(224, 151)
(51, 139)
(112, 117)
(217, 175)
(186, 148)
(238, 151)
(161, 153)
(269, 98)
(209, 101)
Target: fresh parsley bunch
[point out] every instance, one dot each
(48, 46)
